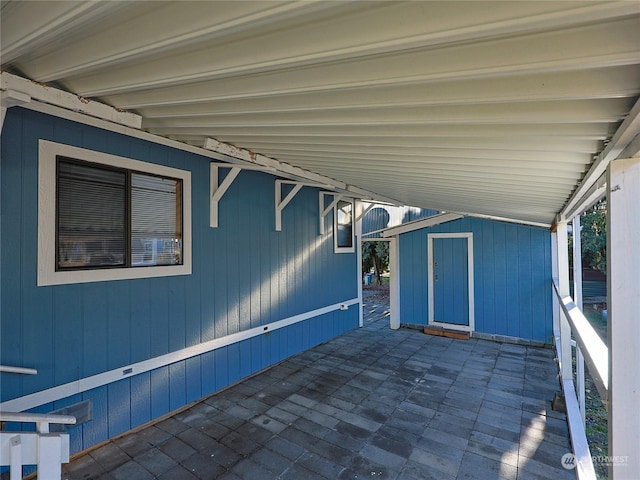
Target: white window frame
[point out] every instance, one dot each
(352, 248)
(47, 274)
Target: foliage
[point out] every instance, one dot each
(375, 255)
(594, 237)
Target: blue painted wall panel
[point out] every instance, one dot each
(512, 277)
(244, 275)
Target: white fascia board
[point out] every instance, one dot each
(422, 223)
(626, 135)
(505, 219)
(54, 96)
(597, 191)
(276, 166)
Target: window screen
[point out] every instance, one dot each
(110, 217)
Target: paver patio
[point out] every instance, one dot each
(373, 403)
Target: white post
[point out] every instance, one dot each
(15, 463)
(49, 448)
(394, 283)
(577, 299)
(554, 274)
(623, 279)
(358, 241)
(563, 288)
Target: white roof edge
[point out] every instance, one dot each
(449, 217)
(60, 98)
(624, 137)
(421, 223)
(21, 91)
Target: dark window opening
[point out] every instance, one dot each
(114, 218)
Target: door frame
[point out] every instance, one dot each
(452, 326)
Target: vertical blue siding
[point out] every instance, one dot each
(244, 275)
(512, 277)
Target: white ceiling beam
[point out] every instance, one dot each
(584, 131)
(612, 82)
(473, 60)
(172, 27)
(577, 111)
(585, 49)
(53, 96)
(435, 155)
(496, 147)
(551, 178)
(466, 189)
(47, 23)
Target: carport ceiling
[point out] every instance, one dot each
(493, 108)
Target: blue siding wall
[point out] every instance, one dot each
(512, 277)
(245, 274)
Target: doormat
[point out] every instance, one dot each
(446, 332)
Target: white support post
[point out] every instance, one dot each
(577, 299)
(49, 448)
(394, 284)
(281, 203)
(218, 191)
(15, 462)
(563, 288)
(623, 278)
(554, 274)
(358, 239)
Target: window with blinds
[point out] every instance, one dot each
(112, 217)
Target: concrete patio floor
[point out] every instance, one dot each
(373, 403)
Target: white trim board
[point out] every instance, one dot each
(452, 326)
(53, 394)
(418, 224)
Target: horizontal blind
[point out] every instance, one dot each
(91, 216)
(156, 220)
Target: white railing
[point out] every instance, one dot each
(596, 356)
(48, 451)
(20, 370)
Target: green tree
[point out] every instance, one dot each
(375, 255)
(594, 236)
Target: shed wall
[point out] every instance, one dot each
(512, 277)
(245, 274)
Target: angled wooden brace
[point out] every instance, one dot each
(218, 191)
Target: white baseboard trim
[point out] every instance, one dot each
(53, 394)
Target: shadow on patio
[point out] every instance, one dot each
(373, 403)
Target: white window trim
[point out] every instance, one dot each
(47, 274)
(352, 248)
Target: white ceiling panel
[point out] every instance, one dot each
(488, 108)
